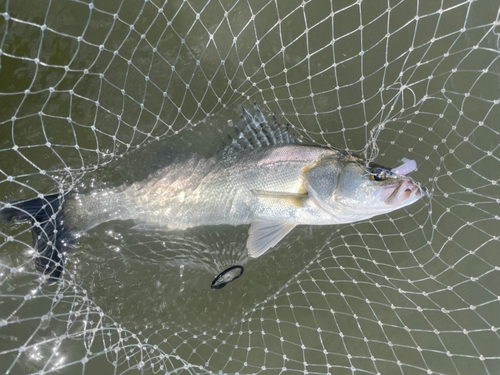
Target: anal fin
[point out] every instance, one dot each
(266, 234)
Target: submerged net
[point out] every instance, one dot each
(93, 94)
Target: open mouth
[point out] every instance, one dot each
(405, 190)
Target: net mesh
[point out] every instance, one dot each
(92, 92)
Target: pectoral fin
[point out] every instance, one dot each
(265, 234)
(297, 200)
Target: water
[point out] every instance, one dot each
(411, 292)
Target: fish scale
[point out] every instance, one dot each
(262, 178)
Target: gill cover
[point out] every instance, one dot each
(321, 183)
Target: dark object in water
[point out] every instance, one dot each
(51, 237)
(226, 276)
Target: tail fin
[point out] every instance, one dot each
(52, 238)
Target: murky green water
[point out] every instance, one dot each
(96, 100)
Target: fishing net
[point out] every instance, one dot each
(98, 94)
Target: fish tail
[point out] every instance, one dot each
(52, 238)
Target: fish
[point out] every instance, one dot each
(264, 177)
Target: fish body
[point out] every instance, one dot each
(263, 178)
(212, 192)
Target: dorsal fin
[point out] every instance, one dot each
(253, 131)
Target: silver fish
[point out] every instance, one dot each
(263, 178)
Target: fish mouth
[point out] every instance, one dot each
(403, 192)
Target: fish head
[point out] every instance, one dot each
(357, 192)
(378, 188)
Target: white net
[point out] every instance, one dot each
(88, 88)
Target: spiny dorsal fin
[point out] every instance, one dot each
(253, 131)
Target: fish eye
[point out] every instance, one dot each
(379, 174)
